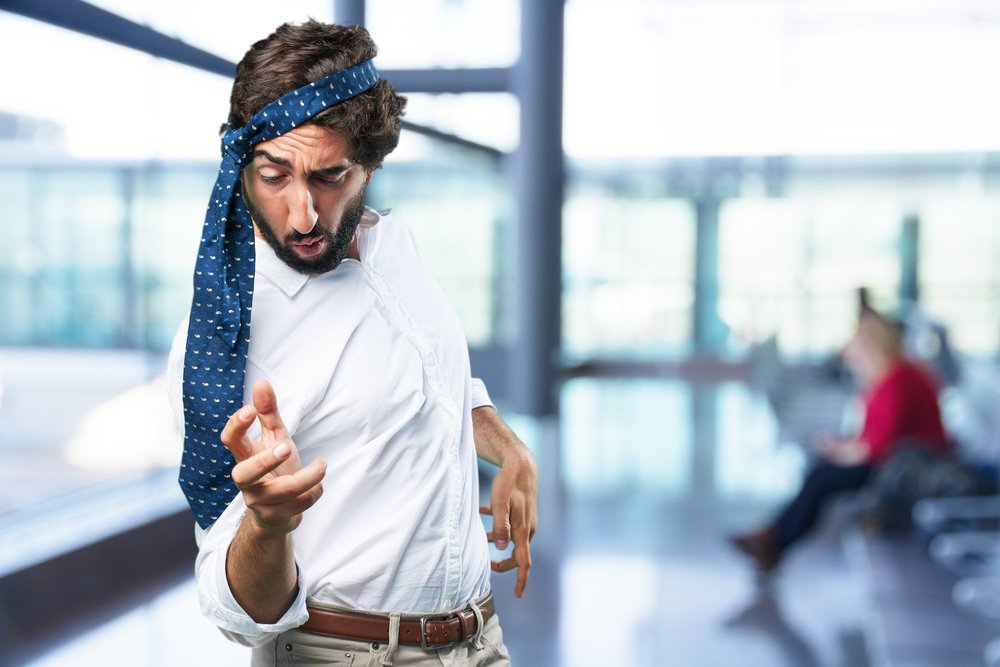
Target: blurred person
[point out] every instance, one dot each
(348, 528)
(901, 410)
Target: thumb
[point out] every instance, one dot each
(501, 525)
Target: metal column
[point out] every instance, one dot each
(539, 176)
(909, 262)
(709, 334)
(87, 19)
(349, 12)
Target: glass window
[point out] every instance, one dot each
(960, 269)
(67, 256)
(99, 255)
(169, 211)
(772, 78)
(445, 33)
(457, 202)
(628, 275)
(791, 267)
(491, 119)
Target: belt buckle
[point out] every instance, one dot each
(423, 629)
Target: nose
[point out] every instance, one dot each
(302, 215)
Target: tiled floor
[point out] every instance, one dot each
(631, 567)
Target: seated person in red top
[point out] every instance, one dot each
(900, 401)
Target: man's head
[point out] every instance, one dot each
(296, 55)
(305, 188)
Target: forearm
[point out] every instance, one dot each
(514, 496)
(260, 567)
(495, 441)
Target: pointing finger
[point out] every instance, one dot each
(266, 403)
(234, 433)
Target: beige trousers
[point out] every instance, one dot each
(307, 649)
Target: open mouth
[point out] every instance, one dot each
(309, 247)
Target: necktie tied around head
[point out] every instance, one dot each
(219, 326)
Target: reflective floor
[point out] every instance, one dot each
(631, 566)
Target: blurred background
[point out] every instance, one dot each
(652, 217)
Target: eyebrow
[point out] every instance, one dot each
(326, 171)
(270, 158)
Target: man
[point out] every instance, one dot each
(348, 526)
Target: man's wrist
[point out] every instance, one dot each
(263, 530)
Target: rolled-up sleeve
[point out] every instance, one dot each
(480, 397)
(216, 598)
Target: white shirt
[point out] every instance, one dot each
(371, 370)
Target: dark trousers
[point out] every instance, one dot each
(822, 482)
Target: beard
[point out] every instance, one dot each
(337, 241)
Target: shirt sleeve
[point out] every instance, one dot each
(480, 397)
(216, 598)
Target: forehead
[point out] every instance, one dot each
(309, 144)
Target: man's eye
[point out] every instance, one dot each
(270, 179)
(330, 182)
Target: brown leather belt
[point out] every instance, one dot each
(432, 631)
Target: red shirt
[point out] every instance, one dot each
(902, 406)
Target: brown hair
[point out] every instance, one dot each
(298, 54)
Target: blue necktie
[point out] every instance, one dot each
(219, 326)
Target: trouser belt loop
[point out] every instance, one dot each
(390, 652)
(477, 639)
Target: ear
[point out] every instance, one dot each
(368, 176)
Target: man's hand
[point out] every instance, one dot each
(268, 472)
(514, 496)
(260, 564)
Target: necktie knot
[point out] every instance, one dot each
(236, 147)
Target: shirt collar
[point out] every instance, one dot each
(287, 279)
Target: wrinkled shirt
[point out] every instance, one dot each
(371, 370)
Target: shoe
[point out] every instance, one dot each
(762, 547)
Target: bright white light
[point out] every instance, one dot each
(751, 78)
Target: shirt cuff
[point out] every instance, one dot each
(480, 397)
(220, 606)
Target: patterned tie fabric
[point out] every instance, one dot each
(219, 326)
